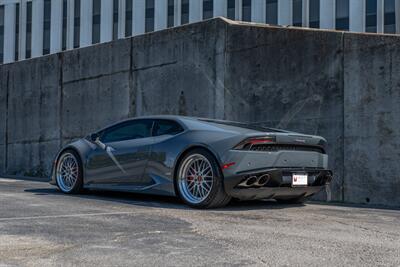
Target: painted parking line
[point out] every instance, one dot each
(23, 179)
(5, 180)
(65, 216)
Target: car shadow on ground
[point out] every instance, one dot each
(158, 201)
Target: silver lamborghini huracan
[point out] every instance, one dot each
(203, 161)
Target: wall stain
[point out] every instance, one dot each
(182, 105)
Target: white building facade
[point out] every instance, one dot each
(32, 28)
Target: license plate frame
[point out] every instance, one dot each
(299, 179)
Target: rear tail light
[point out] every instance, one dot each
(249, 142)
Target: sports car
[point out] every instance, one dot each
(205, 162)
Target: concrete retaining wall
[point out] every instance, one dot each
(372, 119)
(291, 79)
(342, 86)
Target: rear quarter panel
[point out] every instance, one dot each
(167, 151)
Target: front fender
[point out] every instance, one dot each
(81, 146)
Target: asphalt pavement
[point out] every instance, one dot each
(39, 226)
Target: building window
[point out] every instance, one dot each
(170, 21)
(46, 27)
(342, 15)
(149, 27)
(390, 16)
(128, 18)
(370, 16)
(1, 33)
(96, 21)
(246, 10)
(28, 47)
(77, 22)
(314, 13)
(185, 12)
(16, 31)
(297, 12)
(207, 9)
(115, 20)
(231, 9)
(64, 25)
(272, 12)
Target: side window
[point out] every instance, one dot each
(163, 127)
(127, 131)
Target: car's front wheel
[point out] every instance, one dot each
(69, 172)
(200, 182)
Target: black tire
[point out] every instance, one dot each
(296, 200)
(217, 196)
(77, 186)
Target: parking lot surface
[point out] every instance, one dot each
(39, 226)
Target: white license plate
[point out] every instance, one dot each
(299, 179)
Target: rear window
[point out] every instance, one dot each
(166, 127)
(249, 126)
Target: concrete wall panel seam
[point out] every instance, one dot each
(6, 128)
(61, 94)
(343, 120)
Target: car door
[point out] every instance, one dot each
(163, 151)
(121, 154)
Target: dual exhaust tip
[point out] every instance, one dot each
(257, 181)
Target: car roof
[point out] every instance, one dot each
(198, 123)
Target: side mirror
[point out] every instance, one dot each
(94, 137)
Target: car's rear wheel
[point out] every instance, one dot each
(200, 181)
(69, 172)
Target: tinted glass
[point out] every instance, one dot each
(28, 29)
(342, 15)
(128, 18)
(231, 9)
(272, 12)
(96, 21)
(167, 127)
(16, 31)
(255, 126)
(127, 131)
(207, 9)
(185, 11)
(314, 13)
(390, 16)
(115, 19)
(297, 12)
(77, 22)
(370, 16)
(64, 25)
(1, 32)
(149, 26)
(170, 22)
(46, 27)
(246, 10)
